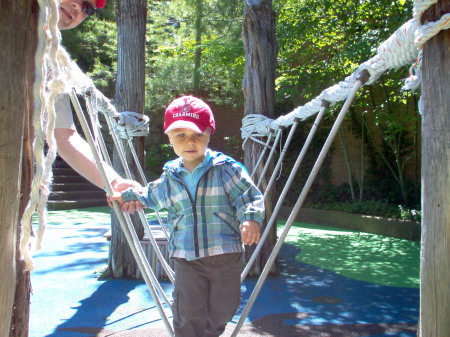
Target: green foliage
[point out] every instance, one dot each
(371, 207)
(155, 159)
(171, 42)
(323, 42)
(232, 148)
(93, 45)
(410, 214)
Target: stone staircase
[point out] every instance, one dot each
(70, 190)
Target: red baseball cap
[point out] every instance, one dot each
(189, 112)
(100, 3)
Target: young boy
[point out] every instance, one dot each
(213, 207)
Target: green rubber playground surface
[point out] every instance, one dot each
(357, 255)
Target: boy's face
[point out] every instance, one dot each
(189, 145)
(71, 12)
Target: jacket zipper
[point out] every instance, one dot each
(194, 213)
(194, 208)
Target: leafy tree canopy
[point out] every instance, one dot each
(320, 43)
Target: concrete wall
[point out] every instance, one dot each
(370, 224)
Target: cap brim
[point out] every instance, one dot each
(184, 125)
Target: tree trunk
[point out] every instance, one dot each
(18, 41)
(131, 17)
(261, 49)
(435, 101)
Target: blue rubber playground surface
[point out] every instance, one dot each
(332, 282)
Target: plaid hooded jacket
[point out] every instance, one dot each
(209, 225)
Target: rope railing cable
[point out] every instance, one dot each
(142, 218)
(398, 50)
(361, 80)
(131, 124)
(269, 158)
(261, 156)
(99, 139)
(40, 103)
(124, 221)
(169, 272)
(94, 149)
(285, 190)
(280, 159)
(141, 214)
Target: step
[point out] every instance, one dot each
(149, 252)
(77, 195)
(71, 204)
(60, 179)
(64, 171)
(83, 186)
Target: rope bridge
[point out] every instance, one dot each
(56, 74)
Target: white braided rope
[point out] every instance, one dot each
(430, 29)
(420, 6)
(422, 35)
(132, 124)
(41, 102)
(129, 124)
(400, 49)
(254, 125)
(57, 73)
(49, 122)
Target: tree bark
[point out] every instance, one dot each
(435, 253)
(18, 41)
(131, 17)
(260, 46)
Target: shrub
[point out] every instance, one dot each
(371, 207)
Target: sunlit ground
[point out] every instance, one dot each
(86, 216)
(357, 255)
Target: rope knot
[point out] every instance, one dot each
(254, 126)
(132, 124)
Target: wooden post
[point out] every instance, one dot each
(131, 16)
(435, 253)
(18, 40)
(261, 48)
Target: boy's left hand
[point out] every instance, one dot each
(120, 185)
(250, 232)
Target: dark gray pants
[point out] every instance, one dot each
(206, 294)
